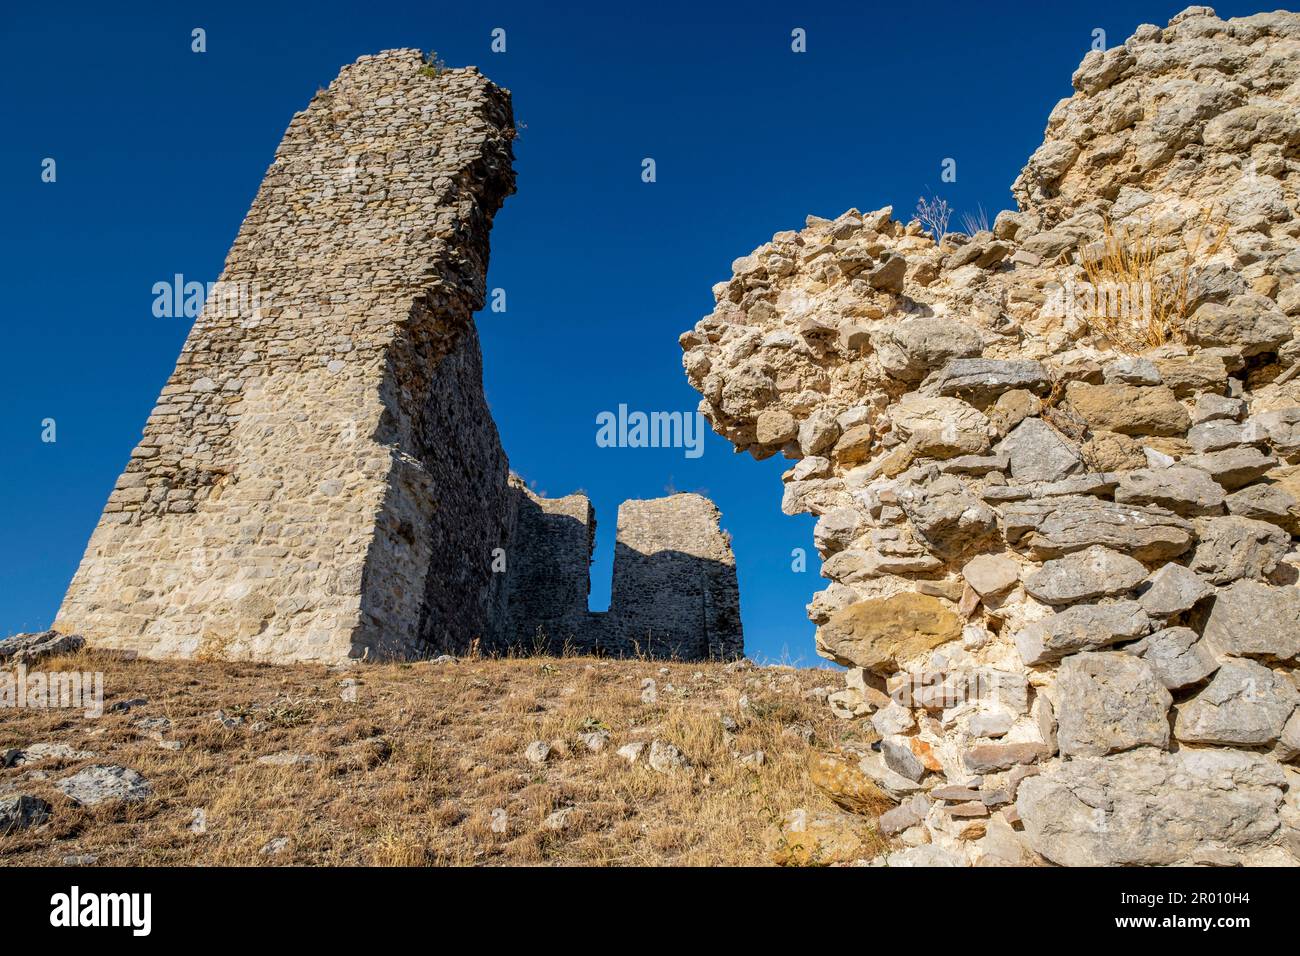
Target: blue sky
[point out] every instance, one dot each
(160, 152)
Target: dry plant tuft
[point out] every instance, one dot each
(934, 213)
(977, 221)
(1133, 302)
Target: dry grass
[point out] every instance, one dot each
(410, 772)
(1135, 301)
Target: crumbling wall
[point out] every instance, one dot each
(674, 593)
(1063, 575)
(299, 475)
(548, 574)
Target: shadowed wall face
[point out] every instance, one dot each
(674, 595)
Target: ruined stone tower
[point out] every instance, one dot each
(321, 478)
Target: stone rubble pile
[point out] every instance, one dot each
(1063, 574)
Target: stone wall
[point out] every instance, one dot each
(287, 496)
(321, 478)
(674, 592)
(1063, 572)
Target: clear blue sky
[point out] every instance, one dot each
(160, 152)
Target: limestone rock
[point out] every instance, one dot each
(1177, 655)
(1052, 527)
(1038, 452)
(1251, 619)
(991, 573)
(819, 838)
(1108, 702)
(1082, 627)
(878, 633)
(20, 811)
(1185, 491)
(1149, 808)
(893, 784)
(1234, 547)
(912, 349)
(1092, 573)
(900, 758)
(537, 753)
(1282, 426)
(992, 758)
(1263, 502)
(980, 381)
(940, 427)
(666, 758)
(776, 427)
(1233, 468)
(1249, 330)
(1129, 409)
(907, 814)
(1246, 704)
(27, 649)
(1172, 590)
(101, 783)
(949, 519)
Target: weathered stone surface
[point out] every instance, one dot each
(1251, 619)
(1129, 409)
(1233, 547)
(666, 758)
(1218, 435)
(1149, 808)
(1091, 573)
(950, 520)
(912, 349)
(20, 811)
(1052, 527)
(1159, 128)
(1249, 330)
(105, 784)
(776, 427)
(900, 759)
(878, 633)
(940, 427)
(893, 784)
(1246, 704)
(27, 649)
(1177, 655)
(1173, 589)
(1265, 502)
(1107, 702)
(818, 838)
(991, 573)
(1233, 467)
(1282, 426)
(992, 758)
(1185, 491)
(1038, 452)
(1131, 370)
(1211, 407)
(855, 445)
(1082, 627)
(981, 381)
(907, 814)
